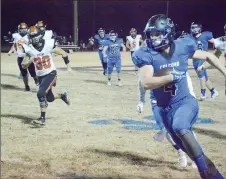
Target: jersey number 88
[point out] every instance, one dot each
(42, 62)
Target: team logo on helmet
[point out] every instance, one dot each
(159, 31)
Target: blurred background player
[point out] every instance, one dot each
(202, 39)
(47, 34)
(20, 38)
(111, 53)
(163, 65)
(100, 37)
(133, 42)
(40, 50)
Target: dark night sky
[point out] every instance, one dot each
(118, 15)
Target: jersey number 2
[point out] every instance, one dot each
(43, 62)
(171, 89)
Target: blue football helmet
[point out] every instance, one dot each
(195, 28)
(113, 35)
(159, 32)
(101, 33)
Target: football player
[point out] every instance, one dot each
(99, 41)
(21, 38)
(40, 52)
(163, 65)
(202, 39)
(47, 34)
(133, 42)
(111, 53)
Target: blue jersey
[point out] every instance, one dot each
(114, 48)
(100, 41)
(202, 44)
(181, 50)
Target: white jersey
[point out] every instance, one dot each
(134, 42)
(220, 44)
(18, 41)
(42, 59)
(48, 34)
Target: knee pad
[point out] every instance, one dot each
(42, 99)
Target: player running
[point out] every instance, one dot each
(157, 117)
(163, 65)
(112, 56)
(40, 51)
(99, 41)
(133, 42)
(202, 39)
(19, 39)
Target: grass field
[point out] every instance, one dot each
(73, 146)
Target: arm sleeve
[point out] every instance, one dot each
(209, 35)
(190, 46)
(140, 59)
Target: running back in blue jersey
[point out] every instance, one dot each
(113, 55)
(181, 50)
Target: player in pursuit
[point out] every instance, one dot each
(19, 39)
(39, 52)
(133, 42)
(202, 39)
(163, 65)
(112, 56)
(220, 45)
(99, 41)
(47, 34)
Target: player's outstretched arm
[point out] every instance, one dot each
(27, 61)
(149, 81)
(211, 59)
(64, 55)
(206, 65)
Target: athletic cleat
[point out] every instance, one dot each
(160, 136)
(109, 83)
(40, 121)
(183, 162)
(65, 98)
(119, 83)
(140, 107)
(203, 97)
(214, 94)
(27, 88)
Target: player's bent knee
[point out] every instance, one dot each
(50, 98)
